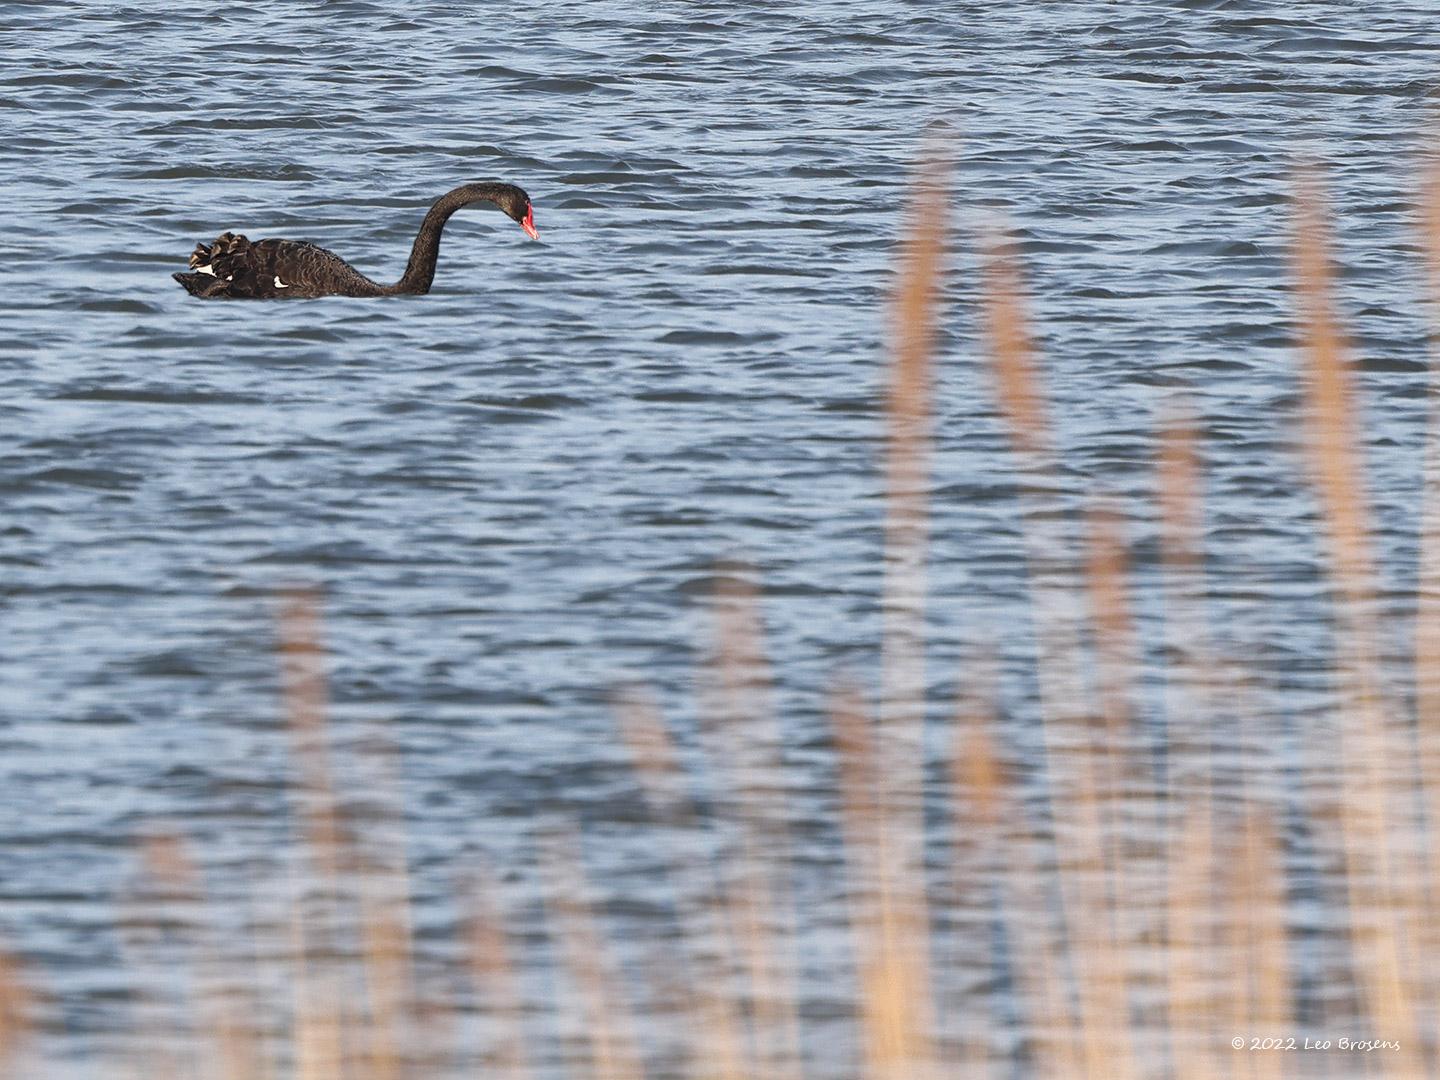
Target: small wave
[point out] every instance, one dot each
(117, 304)
(566, 86)
(713, 337)
(288, 173)
(531, 402)
(156, 396)
(100, 479)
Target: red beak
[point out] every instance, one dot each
(529, 223)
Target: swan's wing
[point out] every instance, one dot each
(295, 268)
(227, 247)
(213, 266)
(234, 268)
(226, 268)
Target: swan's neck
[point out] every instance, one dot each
(420, 271)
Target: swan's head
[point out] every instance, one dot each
(516, 204)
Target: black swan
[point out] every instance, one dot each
(234, 268)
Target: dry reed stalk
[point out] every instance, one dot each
(1427, 615)
(392, 1007)
(306, 704)
(861, 793)
(1428, 632)
(907, 480)
(318, 1030)
(1237, 968)
(715, 1043)
(745, 745)
(1193, 1004)
(977, 784)
(1102, 764)
(654, 757)
(895, 984)
(1197, 675)
(750, 903)
(1334, 446)
(1117, 660)
(892, 977)
(239, 1050)
(16, 1004)
(1189, 686)
(1128, 775)
(257, 1055)
(1259, 917)
(496, 982)
(1179, 481)
(1077, 786)
(153, 912)
(1058, 1040)
(1054, 1038)
(1188, 691)
(385, 934)
(613, 1047)
(1430, 226)
(899, 983)
(328, 1022)
(980, 809)
(1116, 651)
(1012, 358)
(1383, 884)
(1021, 400)
(236, 1050)
(1099, 960)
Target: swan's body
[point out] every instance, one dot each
(234, 268)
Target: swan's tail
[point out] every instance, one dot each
(220, 258)
(214, 266)
(206, 285)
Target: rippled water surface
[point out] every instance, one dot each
(513, 491)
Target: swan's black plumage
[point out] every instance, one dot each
(234, 268)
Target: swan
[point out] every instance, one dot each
(235, 269)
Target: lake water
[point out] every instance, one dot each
(514, 491)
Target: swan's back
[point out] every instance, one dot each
(234, 268)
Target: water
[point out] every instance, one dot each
(513, 491)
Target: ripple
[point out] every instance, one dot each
(514, 490)
(157, 396)
(100, 479)
(205, 172)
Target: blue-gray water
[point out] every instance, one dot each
(513, 491)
